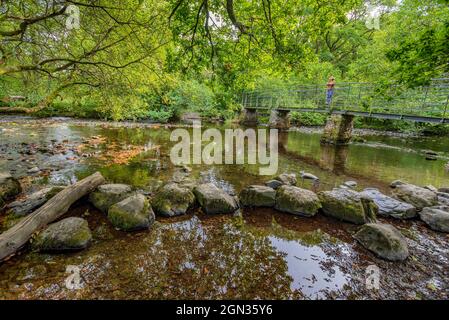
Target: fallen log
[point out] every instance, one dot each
(14, 238)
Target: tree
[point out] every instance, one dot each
(112, 38)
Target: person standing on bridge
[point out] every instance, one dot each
(330, 90)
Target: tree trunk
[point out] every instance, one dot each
(14, 238)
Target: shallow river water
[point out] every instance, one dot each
(252, 254)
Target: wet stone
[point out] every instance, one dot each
(108, 194)
(132, 213)
(287, 178)
(173, 199)
(297, 201)
(388, 206)
(214, 200)
(273, 184)
(66, 235)
(257, 196)
(9, 187)
(384, 240)
(23, 207)
(437, 218)
(348, 205)
(416, 196)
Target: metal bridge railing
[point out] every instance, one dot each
(426, 101)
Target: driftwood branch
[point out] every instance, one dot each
(14, 238)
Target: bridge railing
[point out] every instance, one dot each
(428, 101)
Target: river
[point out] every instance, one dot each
(253, 254)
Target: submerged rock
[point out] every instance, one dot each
(20, 208)
(348, 205)
(214, 200)
(297, 201)
(172, 200)
(273, 184)
(33, 170)
(257, 196)
(287, 178)
(444, 201)
(66, 235)
(389, 206)
(437, 218)
(396, 183)
(431, 188)
(383, 240)
(308, 176)
(444, 190)
(416, 196)
(132, 213)
(350, 184)
(108, 194)
(9, 187)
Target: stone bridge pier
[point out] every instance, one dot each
(249, 117)
(338, 129)
(279, 119)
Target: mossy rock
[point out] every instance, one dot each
(33, 201)
(214, 200)
(132, 213)
(172, 200)
(294, 200)
(257, 196)
(66, 235)
(9, 187)
(418, 197)
(384, 241)
(287, 178)
(348, 205)
(108, 194)
(437, 218)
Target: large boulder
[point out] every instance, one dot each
(389, 206)
(132, 213)
(297, 201)
(172, 200)
(348, 205)
(257, 196)
(23, 207)
(383, 240)
(108, 194)
(66, 235)
(287, 178)
(416, 196)
(437, 218)
(9, 187)
(214, 200)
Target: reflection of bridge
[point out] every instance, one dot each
(428, 103)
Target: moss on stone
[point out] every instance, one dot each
(133, 213)
(172, 200)
(66, 235)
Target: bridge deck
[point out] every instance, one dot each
(422, 104)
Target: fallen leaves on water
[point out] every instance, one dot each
(114, 156)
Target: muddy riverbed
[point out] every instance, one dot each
(257, 253)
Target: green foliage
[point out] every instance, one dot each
(308, 118)
(158, 59)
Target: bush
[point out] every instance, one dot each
(308, 118)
